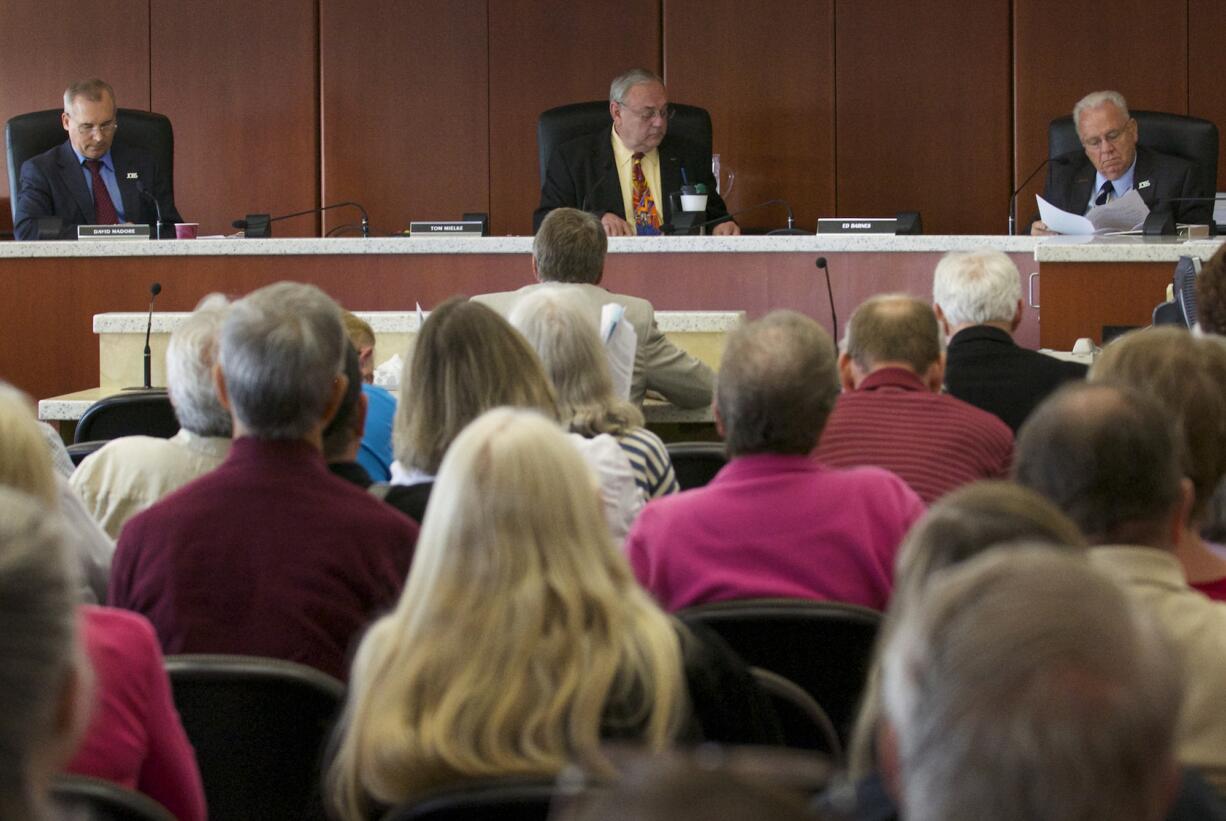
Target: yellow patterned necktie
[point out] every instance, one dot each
(646, 217)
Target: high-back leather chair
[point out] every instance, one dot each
(1191, 138)
(80, 796)
(28, 135)
(137, 413)
(696, 463)
(557, 125)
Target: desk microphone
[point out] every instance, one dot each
(834, 319)
(791, 229)
(1061, 160)
(259, 222)
(154, 290)
(157, 208)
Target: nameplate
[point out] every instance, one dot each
(453, 228)
(113, 232)
(842, 225)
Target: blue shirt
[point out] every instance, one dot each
(375, 453)
(1122, 186)
(108, 178)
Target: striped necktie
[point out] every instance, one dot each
(104, 207)
(1105, 194)
(646, 217)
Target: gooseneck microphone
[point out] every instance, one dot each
(834, 319)
(791, 222)
(260, 222)
(157, 206)
(154, 290)
(1062, 160)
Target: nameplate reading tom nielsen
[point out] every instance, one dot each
(113, 232)
(853, 225)
(453, 228)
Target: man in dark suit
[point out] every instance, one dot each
(88, 181)
(625, 176)
(977, 297)
(1113, 164)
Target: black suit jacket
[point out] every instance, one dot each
(581, 174)
(1158, 178)
(986, 368)
(53, 185)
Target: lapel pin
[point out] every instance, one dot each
(133, 175)
(1143, 184)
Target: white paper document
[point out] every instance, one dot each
(1127, 213)
(620, 341)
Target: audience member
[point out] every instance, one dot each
(467, 360)
(1025, 685)
(25, 465)
(60, 460)
(1187, 376)
(43, 674)
(564, 333)
(521, 639)
(269, 554)
(375, 454)
(774, 523)
(892, 414)
(342, 439)
(568, 251)
(1108, 456)
(977, 297)
(128, 474)
(1211, 294)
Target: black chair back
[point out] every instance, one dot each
(805, 724)
(136, 413)
(1191, 138)
(565, 122)
(696, 463)
(825, 647)
(79, 796)
(506, 799)
(259, 727)
(28, 135)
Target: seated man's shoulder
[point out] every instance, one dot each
(136, 452)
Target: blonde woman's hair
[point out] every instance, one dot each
(520, 637)
(25, 462)
(563, 331)
(466, 360)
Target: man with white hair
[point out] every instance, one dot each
(269, 554)
(1025, 685)
(977, 297)
(1111, 164)
(128, 474)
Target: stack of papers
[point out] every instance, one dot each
(1122, 216)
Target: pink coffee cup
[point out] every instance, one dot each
(186, 230)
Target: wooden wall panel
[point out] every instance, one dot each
(923, 112)
(39, 58)
(240, 84)
(545, 53)
(1137, 47)
(404, 101)
(768, 81)
(1206, 68)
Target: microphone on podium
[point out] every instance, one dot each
(157, 208)
(154, 290)
(1063, 160)
(791, 229)
(257, 226)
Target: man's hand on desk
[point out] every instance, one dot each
(615, 226)
(727, 229)
(1038, 228)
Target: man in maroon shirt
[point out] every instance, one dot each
(892, 413)
(269, 554)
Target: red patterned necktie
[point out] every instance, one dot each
(104, 207)
(646, 217)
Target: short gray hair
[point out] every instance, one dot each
(622, 83)
(190, 357)
(893, 328)
(1025, 684)
(1096, 98)
(282, 348)
(777, 383)
(37, 641)
(974, 287)
(92, 89)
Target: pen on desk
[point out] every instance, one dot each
(685, 180)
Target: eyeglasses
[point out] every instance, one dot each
(649, 114)
(85, 129)
(1113, 136)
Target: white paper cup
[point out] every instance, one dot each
(693, 202)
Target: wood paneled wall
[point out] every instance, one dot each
(420, 109)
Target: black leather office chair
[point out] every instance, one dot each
(259, 727)
(825, 647)
(79, 796)
(696, 463)
(805, 724)
(1191, 138)
(28, 135)
(557, 125)
(136, 413)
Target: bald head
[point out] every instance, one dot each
(893, 329)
